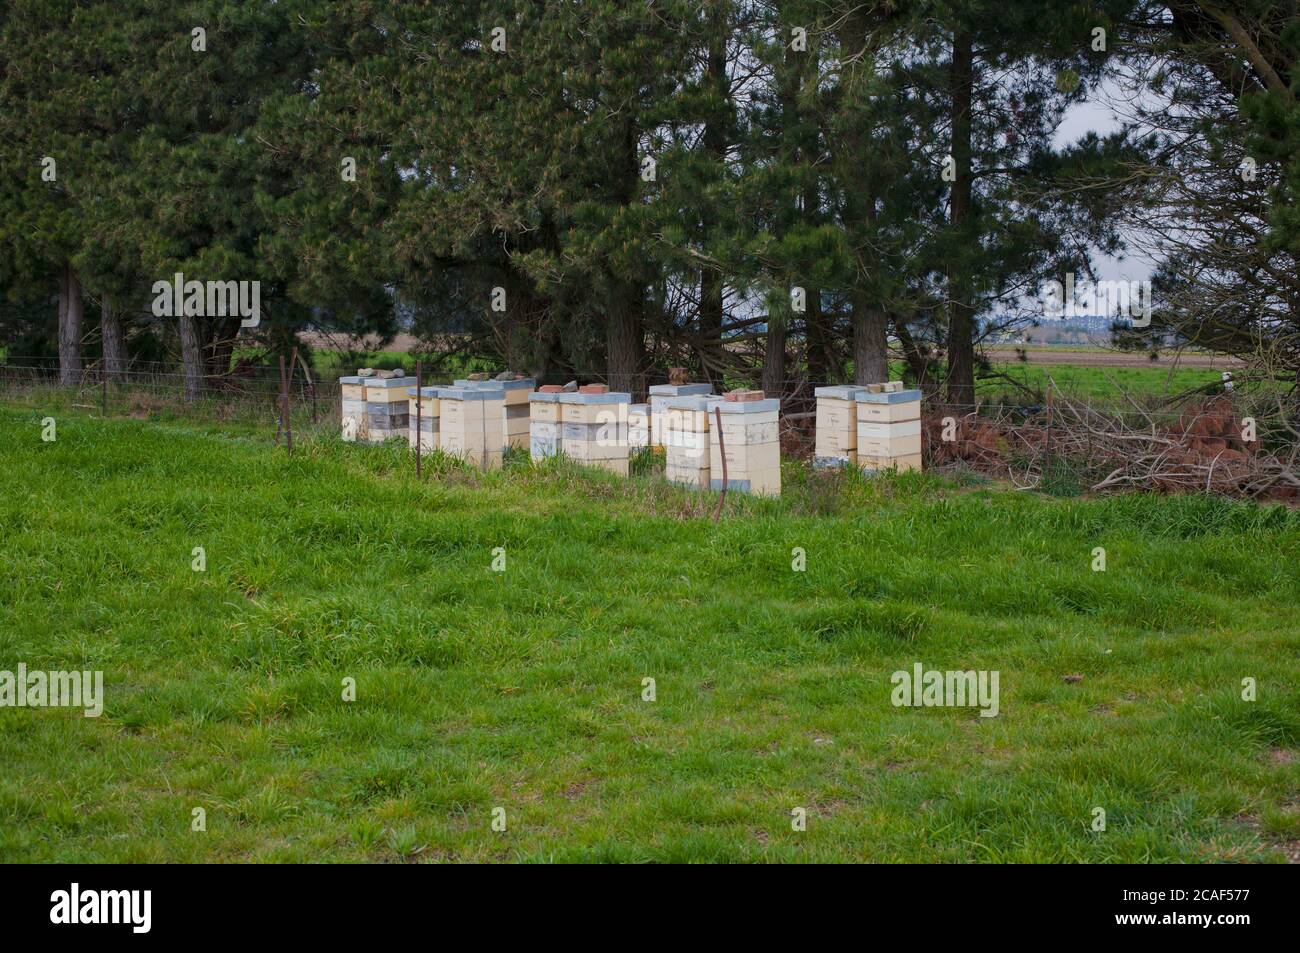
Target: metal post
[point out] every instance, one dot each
(722, 453)
(419, 419)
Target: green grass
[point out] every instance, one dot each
(1095, 383)
(522, 689)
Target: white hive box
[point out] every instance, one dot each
(544, 425)
(638, 426)
(751, 444)
(424, 425)
(387, 407)
(352, 403)
(469, 424)
(685, 421)
(594, 429)
(514, 413)
(837, 426)
(889, 430)
(659, 395)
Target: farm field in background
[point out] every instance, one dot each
(522, 689)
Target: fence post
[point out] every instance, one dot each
(419, 419)
(284, 404)
(722, 454)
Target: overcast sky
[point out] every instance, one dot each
(1095, 116)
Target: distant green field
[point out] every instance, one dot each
(523, 689)
(1095, 383)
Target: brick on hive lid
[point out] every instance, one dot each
(741, 395)
(550, 389)
(593, 389)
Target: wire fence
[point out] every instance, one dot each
(1225, 440)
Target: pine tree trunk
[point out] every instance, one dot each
(70, 323)
(192, 356)
(625, 343)
(870, 342)
(774, 361)
(961, 325)
(114, 344)
(715, 138)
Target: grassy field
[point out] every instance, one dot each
(523, 689)
(1103, 384)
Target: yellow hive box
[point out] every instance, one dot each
(547, 412)
(902, 464)
(741, 459)
(890, 447)
(593, 413)
(889, 413)
(903, 428)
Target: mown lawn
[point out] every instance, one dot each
(523, 689)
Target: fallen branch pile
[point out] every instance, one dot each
(1210, 447)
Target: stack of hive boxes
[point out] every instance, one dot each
(685, 432)
(515, 413)
(750, 442)
(469, 424)
(352, 397)
(544, 422)
(889, 428)
(387, 407)
(837, 426)
(424, 424)
(638, 426)
(660, 394)
(595, 427)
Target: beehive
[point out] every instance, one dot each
(387, 407)
(423, 426)
(660, 394)
(515, 414)
(352, 402)
(685, 422)
(889, 428)
(469, 424)
(594, 429)
(544, 425)
(837, 426)
(751, 444)
(638, 426)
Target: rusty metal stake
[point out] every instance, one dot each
(722, 453)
